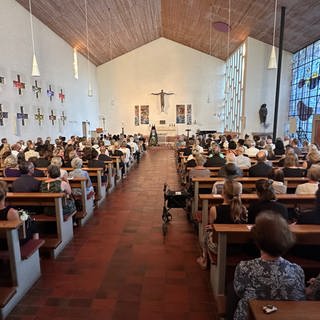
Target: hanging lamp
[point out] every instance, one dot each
(35, 69)
(90, 91)
(273, 60)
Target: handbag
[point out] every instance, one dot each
(68, 206)
(212, 247)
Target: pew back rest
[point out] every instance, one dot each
(290, 200)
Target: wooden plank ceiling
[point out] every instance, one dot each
(130, 24)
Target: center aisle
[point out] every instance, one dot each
(118, 266)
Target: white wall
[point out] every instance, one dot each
(194, 78)
(55, 60)
(260, 87)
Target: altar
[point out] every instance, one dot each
(164, 132)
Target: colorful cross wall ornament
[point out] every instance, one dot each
(18, 84)
(21, 115)
(52, 117)
(63, 118)
(62, 96)
(36, 89)
(50, 93)
(3, 115)
(38, 116)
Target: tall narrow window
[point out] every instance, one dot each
(234, 88)
(305, 89)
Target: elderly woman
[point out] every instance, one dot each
(77, 171)
(11, 167)
(57, 161)
(54, 183)
(311, 186)
(313, 157)
(269, 277)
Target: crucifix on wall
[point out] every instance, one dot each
(62, 96)
(50, 92)
(63, 118)
(162, 94)
(38, 116)
(18, 84)
(36, 89)
(3, 115)
(52, 117)
(22, 116)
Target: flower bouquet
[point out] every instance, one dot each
(24, 216)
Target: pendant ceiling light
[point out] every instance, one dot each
(110, 48)
(273, 60)
(75, 64)
(90, 91)
(229, 28)
(35, 69)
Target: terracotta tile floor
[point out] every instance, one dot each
(119, 267)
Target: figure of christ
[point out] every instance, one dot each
(162, 94)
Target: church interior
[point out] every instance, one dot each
(85, 68)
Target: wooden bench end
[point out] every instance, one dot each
(51, 243)
(6, 293)
(221, 301)
(30, 247)
(66, 217)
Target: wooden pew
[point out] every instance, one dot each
(64, 224)
(293, 310)
(24, 266)
(247, 182)
(100, 188)
(111, 176)
(289, 200)
(240, 233)
(87, 201)
(116, 161)
(215, 170)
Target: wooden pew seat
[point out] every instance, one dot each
(63, 230)
(6, 293)
(30, 247)
(221, 302)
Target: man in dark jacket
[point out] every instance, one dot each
(261, 169)
(216, 160)
(26, 182)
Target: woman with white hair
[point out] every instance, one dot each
(57, 161)
(77, 172)
(11, 167)
(311, 186)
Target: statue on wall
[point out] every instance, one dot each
(162, 94)
(153, 138)
(263, 112)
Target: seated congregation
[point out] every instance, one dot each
(273, 186)
(54, 187)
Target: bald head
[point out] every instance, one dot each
(261, 156)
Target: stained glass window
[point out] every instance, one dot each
(234, 83)
(305, 89)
